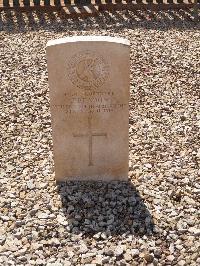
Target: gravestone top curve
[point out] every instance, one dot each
(88, 39)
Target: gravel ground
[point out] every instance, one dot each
(153, 218)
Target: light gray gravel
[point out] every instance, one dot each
(154, 218)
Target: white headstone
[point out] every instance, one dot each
(89, 100)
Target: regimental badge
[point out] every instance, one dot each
(87, 70)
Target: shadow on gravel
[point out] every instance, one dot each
(113, 208)
(58, 20)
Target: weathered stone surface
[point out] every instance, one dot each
(89, 94)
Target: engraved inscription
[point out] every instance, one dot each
(89, 108)
(90, 136)
(89, 93)
(87, 70)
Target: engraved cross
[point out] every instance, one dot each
(90, 136)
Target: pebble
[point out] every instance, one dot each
(194, 231)
(2, 239)
(66, 263)
(103, 236)
(43, 215)
(170, 257)
(30, 184)
(83, 249)
(5, 218)
(181, 263)
(135, 252)
(62, 220)
(127, 257)
(148, 257)
(105, 259)
(97, 235)
(109, 252)
(40, 262)
(87, 255)
(118, 251)
(18, 235)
